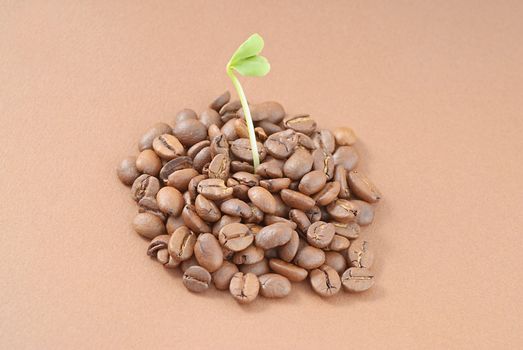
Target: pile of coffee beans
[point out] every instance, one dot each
(298, 216)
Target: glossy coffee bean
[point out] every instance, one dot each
(274, 235)
(309, 257)
(190, 132)
(312, 182)
(193, 221)
(297, 200)
(340, 176)
(275, 185)
(244, 287)
(202, 159)
(224, 220)
(208, 252)
(292, 272)
(148, 225)
(168, 147)
(323, 161)
(173, 165)
(236, 207)
(342, 210)
(219, 167)
(301, 123)
(365, 214)
(262, 199)
(197, 147)
(235, 236)
(360, 254)
(346, 156)
(241, 148)
(325, 281)
(146, 141)
(181, 243)
(288, 251)
(170, 201)
(206, 209)
(185, 114)
(324, 140)
(298, 164)
(148, 162)
(320, 234)
(281, 144)
(357, 279)
(362, 187)
(209, 117)
(214, 189)
(180, 179)
(249, 255)
(127, 171)
(145, 186)
(229, 130)
(222, 277)
(259, 268)
(220, 101)
(336, 261)
(344, 136)
(196, 279)
(273, 285)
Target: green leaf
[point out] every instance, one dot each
(251, 47)
(256, 66)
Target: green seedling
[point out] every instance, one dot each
(247, 61)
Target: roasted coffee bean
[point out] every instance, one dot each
(340, 176)
(270, 169)
(158, 249)
(257, 215)
(170, 201)
(346, 156)
(314, 214)
(171, 263)
(281, 144)
(206, 209)
(227, 253)
(269, 128)
(320, 234)
(274, 235)
(275, 185)
(301, 123)
(208, 252)
(213, 131)
(181, 243)
(145, 186)
(219, 167)
(244, 287)
(146, 141)
(173, 223)
(229, 131)
(301, 220)
(323, 161)
(209, 117)
(365, 214)
(180, 179)
(328, 194)
(259, 268)
(294, 185)
(282, 210)
(260, 134)
(237, 166)
(246, 178)
(187, 199)
(222, 277)
(291, 271)
(220, 101)
(362, 187)
(186, 264)
(214, 189)
(360, 254)
(312, 182)
(232, 106)
(325, 281)
(270, 111)
(249, 255)
(324, 140)
(185, 114)
(196, 279)
(190, 132)
(235, 236)
(168, 147)
(298, 164)
(255, 228)
(241, 128)
(241, 148)
(219, 145)
(305, 141)
(288, 251)
(344, 136)
(150, 205)
(350, 230)
(202, 159)
(193, 221)
(263, 199)
(274, 219)
(236, 207)
(148, 225)
(171, 166)
(273, 285)
(196, 148)
(357, 279)
(229, 116)
(336, 261)
(192, 187)
(342, 210)
(238, 191)
(309, 257)
(127, 171)
(297, 200)
(339, 243)
(148, 162)
(224, 220)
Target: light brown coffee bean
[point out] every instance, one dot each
(288, 251)
(145, 186)
(127, 171)
(350, 230)
(208, 252)
(190, 131)
(168, 147)
(157, 249)
(344, 136)
(365, 214)
(148, 162)
(360, 254)
(312, 182)
(324, 140)
(246, 178)
(150, 205)
(297, 200)
(282, 210)
(268, 127)
(180, 179)
(249, 255)
(270, 111)
(260, 134)
(232, 106)
(244, 287)
(274, 219)
(263, 199)
(259, 268)
(272, 168)
(342, 210)
(309, 257)
(328, 194)
(305, 141)
(185, 114)
(235, 236)
(202, 159)
(193, 221)
(229, 131)
(323, 161)
(301, 123)
(340, 176)
(220, 101)
(238, 191)
(236, 207)
(192, 187)
(222, 277)
(171, 166)
(241, 128)
(339, 243)
(301, 220)
(219, 167)
(363, 188)
(257, 215)
(314, 214)
(146, 141)
(320, 234)
(214, 189)
(224, 220)
(181, 243)
(206, 209)
(237, 166)
(187, 198)
(357, 279)
(173, 222)
(298, 164)
(184, 265)
(197, 147)
(170, 201)
(219, 145)
(291, 271)
(196, 279)
(275, 185)
(241, 148)
(281, 144)
(346, 156)
(148, 225)
(336, 261)
(209, 117)
(325, 281)
(272, 236)
(273, 285)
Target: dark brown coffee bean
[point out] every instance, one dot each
(224, 220)
(214, 189)
(274, 219)
(238, 191)
(170, 201)
(350, 230)
(312, 182)
(344, 136)
(148, 162)
(339, 243)
(309, 257)
(325, 281)
(301, 220)
(244, 287)
(281, 144)
(263, 199)
(209, 117)
(323, 161)
(260, 134)
(168, 147)
(241, 148)
(297, 200)
(249, 255)
(246, 178)
(196, 279)
(158, 249)
(320, 234)
(275, 185)
(274, 235)
(202, 159)
(301, 123)
(342, 210)
(360, 254)
(288, 251)
(237, 166)
(357, 279)
(270, 111)
(180, 179)
(196, 148)
(236, 207)
(190, 132)
(324, 140)
(192, 187)
(171, 166)
(235, 236)
(185, 114)
(365, 214)
(208, 252)
(181, 243)
(273, 285)
(298, 164)
(193, 221)
(186, 264)
(314, 214)
(219, 167)
(305, 141)
(363, 188)
(340, 176)
(257, 215)
(268, 127)
(336, 261)
(229, 131)
(145, 186)
(282, 210)
(173, 223)
(127, 171)
(346, 156)
(270, 169)
(328, 194)
(291, 271)
(146, 141)
(232, 106)
(219, 145)
(222, 277)
(206, 209)
(259, 268)
(220, 101)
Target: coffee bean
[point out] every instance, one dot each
(224, 220)
(197, 147)
(241, 148)
(312, 182)
(192, 187)
(281, 144)
(146, 141)
(309, 257)
(324, 140)
(187, 199)
(158, 249)
(288, 251)
(365, 214)
(209, 117)
(282, 210)
(236, 207)
(241, 128)
(301, 220)
(350, 230)
(314, 214)
(222, 277)
(181, 243)
(323, 161)
(320, 234)
(145, 186)
(244, 287)
(275, 185)
(208, 252)
(340, 176)
(237, 166)
(325, 281)
(148, 162)
(336, 261)
(263, 199)
(206, 209)
(339, 243)
(219, 145)
(257, 215)
(127, 171)
(238, 191)
(342, 210)
(229, 130)
(305, 141)
(232, 106)
(260, 134)
(291, 271)
(301, 123)
(213, 131)
(274, 219)
(186, 264)
(268, 127)
(360, 254)
(259, 268)
(193, 221)
(297, 200)
(148, 225)
(190, 131)
(214, 189)
(274, 235)
(273, 285)
(196, 279)
(170, 201)
(150, 205)
(298, 164)
(270, 169)
(249, 255)
(344, 136)
(220, 101)
(180, 179)
(246, 178)
(270, 111)
(235, 236)
(185, 114)
(171, 166)
(328, 194)
(174, 222)
(168, 147)
(346, 156)
(357, 279)
(219, 167)
(363, 188)
(202, 159)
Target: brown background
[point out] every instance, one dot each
(433, 89)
